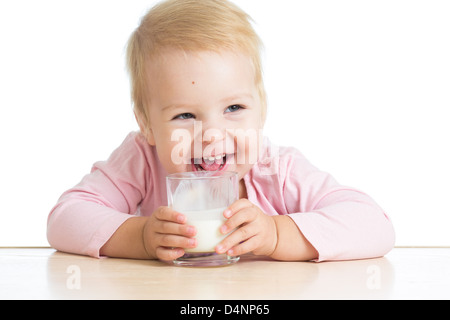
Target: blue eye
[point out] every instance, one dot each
(234, 108)
(184, 116)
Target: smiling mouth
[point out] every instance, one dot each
(213, 163)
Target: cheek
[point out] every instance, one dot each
(247, 146)
(174, 150)
(173, 161)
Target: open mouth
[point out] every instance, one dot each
(213, 163)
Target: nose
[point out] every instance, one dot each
(214, 133)
(211, 135)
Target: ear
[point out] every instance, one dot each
(145, 129)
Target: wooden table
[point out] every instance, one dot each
(43, 273)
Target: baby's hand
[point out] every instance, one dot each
(166, 233)
(256, 232)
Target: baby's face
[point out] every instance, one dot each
(205, 111)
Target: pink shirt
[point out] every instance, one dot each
(340, 222)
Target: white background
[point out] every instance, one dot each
(362, 88)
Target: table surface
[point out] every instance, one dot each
(404, 273)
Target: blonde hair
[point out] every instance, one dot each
(190, 25)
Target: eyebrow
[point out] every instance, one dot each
(175, 106)
(244, 95)
(235, 97)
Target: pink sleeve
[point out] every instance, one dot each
(342, 223)
(87, 215)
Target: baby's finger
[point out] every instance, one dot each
(238, 236)
(168, 254)
(168, 214)
(244, 247)
(245, 215)
(175, 228)
(175, 241)
(236, 207)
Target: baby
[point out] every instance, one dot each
(200, 103)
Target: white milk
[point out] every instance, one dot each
(207, 223)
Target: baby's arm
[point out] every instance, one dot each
(101, 209)
(312, 218)
(261, 234)
(342, 223)
(292, 245)
(127, 242)
(162, 236)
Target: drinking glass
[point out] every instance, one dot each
(203, 197)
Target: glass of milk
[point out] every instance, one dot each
(202, 197)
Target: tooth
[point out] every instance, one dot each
(219, 157)
(211, 158)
